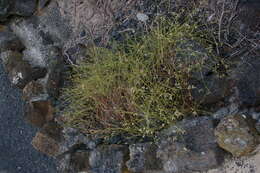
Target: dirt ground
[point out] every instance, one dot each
(250, 164)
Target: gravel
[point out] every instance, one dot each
(16, 152)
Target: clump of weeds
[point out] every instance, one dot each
(137, 87)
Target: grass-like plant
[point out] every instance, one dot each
(137, 87)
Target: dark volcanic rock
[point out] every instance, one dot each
(72, 139)
(80, 161)
(209, 87)
(193, 150)
(16, 7)
(108, 159)
(257, 126)
(8, 41)
(177, 158)
(249, 14)
(43, 3)
(237, 135)
(143, 158)
(247, 80)
(24, 7)
(197, 132)
(53, 79)
(211, 90)
(186, 147)
(20, 72)
(5, 6)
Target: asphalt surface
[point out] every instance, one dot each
(16, 152)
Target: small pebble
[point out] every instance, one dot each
(257, 126)
(255, 115)
(142, 17)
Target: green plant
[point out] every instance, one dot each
(137, 87)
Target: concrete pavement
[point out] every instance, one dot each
(16, 152)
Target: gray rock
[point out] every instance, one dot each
(5, 6)
(177, 158)
(46, 88)
(20, 72)
(104, 159)
(109, 159)
(190, 53)
(247, 81)
(248, 14)
(43, 36)
(195, 149)
(245, 76)
(43, 3)
(73, 138)
(53, 79)
(16, 7)
(24, 7)
(143, 158)
(210, 90)
(70, 158)
(197, 132)
(233, 108)
(255, 115)
(257, 126)
(8, 41)
(236, 134)
(221, 113)
(79, 162)
(244, 64)
(63, 164)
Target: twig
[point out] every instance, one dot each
(126, 30)
(68, 58)
(220, 21)
(233, 15)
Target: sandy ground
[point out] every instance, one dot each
(16, 152)
(249, 164)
